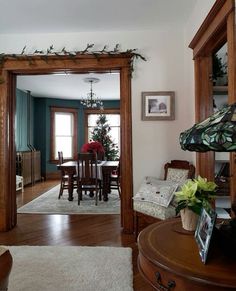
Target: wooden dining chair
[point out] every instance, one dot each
(87, 179)
(115, 180)
(65, 173)
(60, 158)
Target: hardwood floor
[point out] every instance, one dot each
(71, 230)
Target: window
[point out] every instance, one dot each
(63, 132)
(113, 118)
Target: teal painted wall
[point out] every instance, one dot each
(42, 125)
(24, 119)
(39, 121)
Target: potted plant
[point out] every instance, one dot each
(194, 195)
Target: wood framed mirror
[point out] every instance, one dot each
(54, 64)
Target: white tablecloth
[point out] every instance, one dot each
(99, 169)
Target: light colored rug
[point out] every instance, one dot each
(71, 268)
(48, 203)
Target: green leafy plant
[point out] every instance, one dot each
(195, 194)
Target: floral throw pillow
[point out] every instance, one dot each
(177, 175)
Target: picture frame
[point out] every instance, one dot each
(158, 105)
(204, 231)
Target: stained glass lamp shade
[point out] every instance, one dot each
(216, 133)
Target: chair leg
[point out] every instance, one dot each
(136, 225)
(96, 197)
(79, 191)
(100, 190)
(119, 190)
(61, 190)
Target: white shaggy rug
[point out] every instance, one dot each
(48, 203)
(71, 268)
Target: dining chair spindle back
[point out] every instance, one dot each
(87, 179)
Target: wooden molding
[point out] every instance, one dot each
(214, 22)
(96, 111)
(53, 176)
(217, 29)
(80, 64)
(52, 130)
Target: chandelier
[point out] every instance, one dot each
(91, 101)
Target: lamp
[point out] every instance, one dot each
(91, 101)
(216, 133)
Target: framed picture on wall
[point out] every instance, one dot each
(204, 232)
(158, 105)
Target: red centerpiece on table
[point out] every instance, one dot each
(93, 146)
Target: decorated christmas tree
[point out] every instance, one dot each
(101, 134)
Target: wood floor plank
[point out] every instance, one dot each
(69, 230)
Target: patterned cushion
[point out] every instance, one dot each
(177, 175)
(154, 210)
(154, 196)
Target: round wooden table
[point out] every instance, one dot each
(169, 260)
(5, 269)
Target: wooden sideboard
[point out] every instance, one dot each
(169, 260)
(28, 165)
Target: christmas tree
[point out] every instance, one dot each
(101, 134)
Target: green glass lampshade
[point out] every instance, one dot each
(216, 133)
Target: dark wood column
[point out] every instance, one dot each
(7, 154)
(204, 108)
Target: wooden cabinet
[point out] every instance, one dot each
(169, 260)
(217, 29)
(222, 159)
(28, 165)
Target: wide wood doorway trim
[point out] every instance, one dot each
(217, 29)
(54, 64)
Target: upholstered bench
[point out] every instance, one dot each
(149, 208)
(5, 267)
(153, 201)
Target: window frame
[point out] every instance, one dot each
(97, 111)
(74, 112)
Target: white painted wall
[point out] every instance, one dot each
(199, 13)
(169, 67)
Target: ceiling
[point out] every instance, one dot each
(71, 86)
(43, 16)
(63, 16)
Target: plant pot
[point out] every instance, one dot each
(189, 219)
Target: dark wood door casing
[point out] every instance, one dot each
(82, 63)
(217, 29)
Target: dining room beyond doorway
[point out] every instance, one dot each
(121, 62)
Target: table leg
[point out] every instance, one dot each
(70, 187)
(106, 184)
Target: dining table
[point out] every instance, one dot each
(105, 169)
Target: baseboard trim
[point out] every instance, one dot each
(53, 175)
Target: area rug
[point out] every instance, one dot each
(70, 268)
(48, 203)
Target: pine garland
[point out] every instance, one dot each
(88, 50)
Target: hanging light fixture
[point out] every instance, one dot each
(91, 101)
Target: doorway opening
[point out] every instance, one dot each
(49, 119)
(12, 68)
